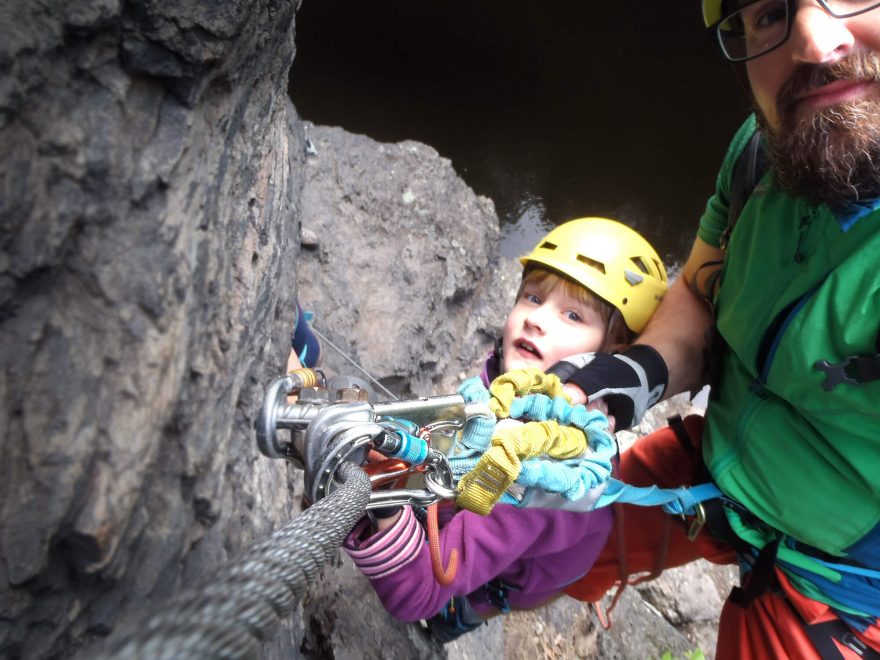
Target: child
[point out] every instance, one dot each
(590, 285)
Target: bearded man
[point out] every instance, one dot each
(779, 306)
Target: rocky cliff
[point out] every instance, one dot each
(162, 207)
(151, 166)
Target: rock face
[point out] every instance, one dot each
(150, 163)
(152, 170)
(400, 263)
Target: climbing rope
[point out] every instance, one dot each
(561, 457)
(236, 609)
(443, 575)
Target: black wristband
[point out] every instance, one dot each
(628, 382)
(385, 511)
(652, 362)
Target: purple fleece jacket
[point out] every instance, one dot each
(540, 551)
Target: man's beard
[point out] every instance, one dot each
(832, 157)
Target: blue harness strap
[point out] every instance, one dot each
(677, 501)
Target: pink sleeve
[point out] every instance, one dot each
(508, 541)
(385, 552)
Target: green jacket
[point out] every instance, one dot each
(798, 286)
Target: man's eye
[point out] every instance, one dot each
(767, 14)
(770, 18)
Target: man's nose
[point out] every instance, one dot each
(816, 36)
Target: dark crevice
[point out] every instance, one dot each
(554, 110)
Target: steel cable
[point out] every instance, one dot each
(236, 609)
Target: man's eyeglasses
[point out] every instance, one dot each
(751, 28)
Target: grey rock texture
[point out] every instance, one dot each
(399, 263)
(150, 166)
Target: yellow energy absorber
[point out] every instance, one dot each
(520, 382)
(483, 486)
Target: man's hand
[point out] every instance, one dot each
(628, 383)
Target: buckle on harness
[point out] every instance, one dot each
(698, 523)
(854, 644)
(497, 594)
(836, 374)
(854, 370)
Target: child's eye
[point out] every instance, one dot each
(532, 298)
(573, 316)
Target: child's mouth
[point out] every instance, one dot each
(528, 347)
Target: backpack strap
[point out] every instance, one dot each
(824, 634)
(750, 167)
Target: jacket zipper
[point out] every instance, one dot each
(758, 393)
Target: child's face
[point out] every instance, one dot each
(549, 323)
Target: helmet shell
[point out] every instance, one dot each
(611, 260)
(711, 12)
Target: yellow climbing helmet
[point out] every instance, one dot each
(611, 260)
(711, 12)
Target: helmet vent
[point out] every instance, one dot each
(547, 245)
(660, 270)
(598, 265)
(640, 264)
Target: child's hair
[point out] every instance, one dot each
(617, 335)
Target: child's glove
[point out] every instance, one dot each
(628, 382)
